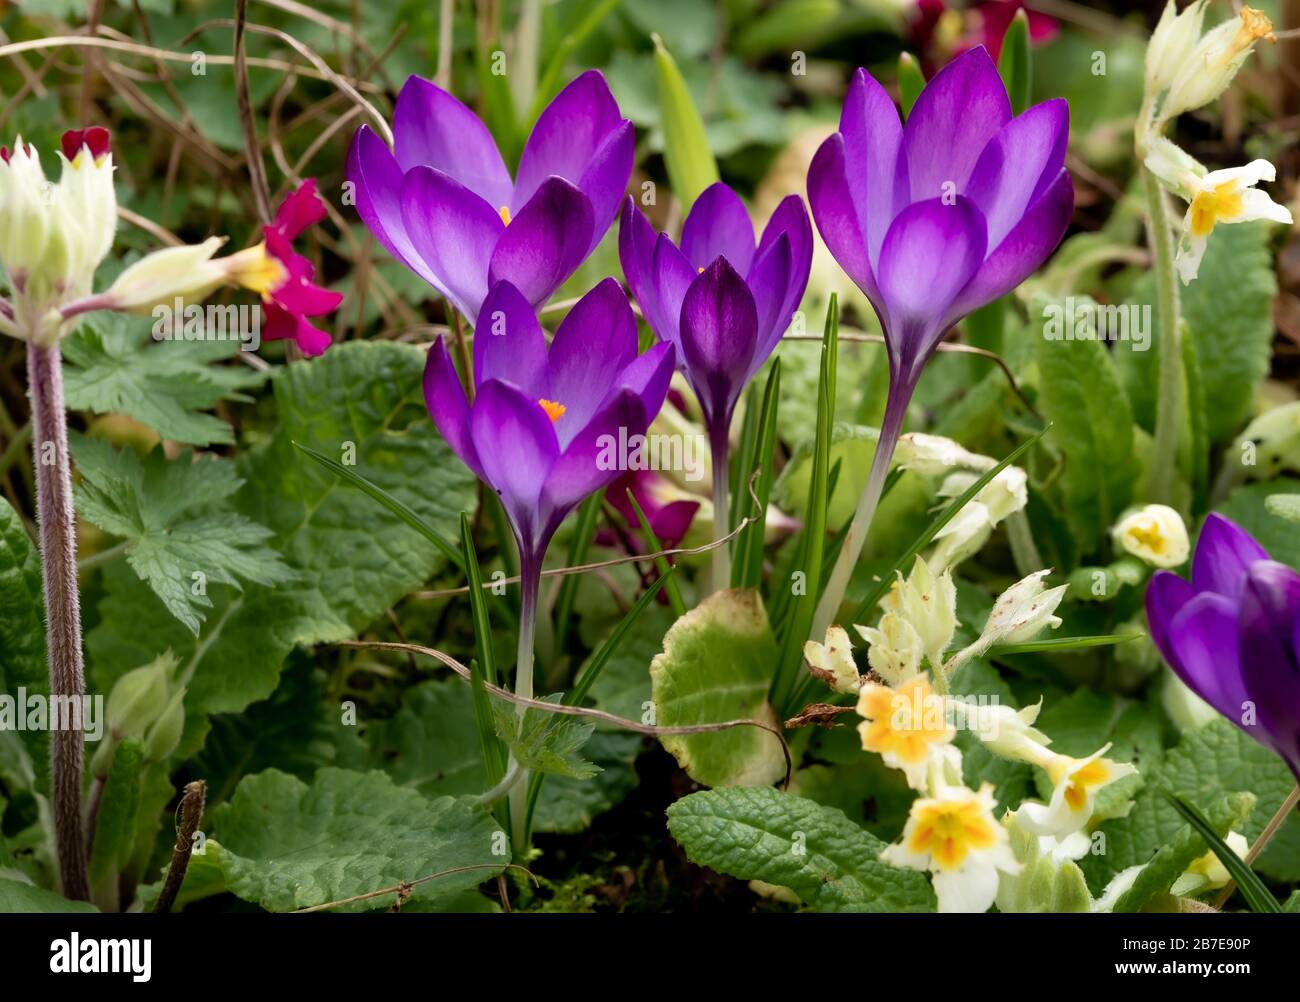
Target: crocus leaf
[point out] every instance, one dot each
(112, 365)
(179, 533)
(911, 81)
(795, 25)
(691, 167)
(483, 670)
(716, 665)
(1015, 63)
(1257, 896)
(285, 844)
(817, 852)
(748, 566)
(24, 765)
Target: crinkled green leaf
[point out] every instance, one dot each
(19, 897)
(352, 557)
(113, 364)
(761, 834)
(716, 665)
(286, 845)
(170, 514)
(1248, 506)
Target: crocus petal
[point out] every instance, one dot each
(954, 118)
(1019, 164)
(719, 329)
(1270, 661)
(718, 225)
(1224, 552)
(585, 467)
(545, 242)
(377, 180)
(432, 128)
(1165, 597)
(1203, 639)
(445, 397)
(453, 231)
(516, 445)
(1023, 249)
(873, 143)
(636, 250)
(769, 283)
(836, 215)
(509, 344)
(582, 137)
(299, 210)
(931, 251)
(790, 220)
(673, 275)
(591, 347)
(648, 376)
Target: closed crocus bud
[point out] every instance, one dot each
(165, 734)
(25, 197)
(159, 278)
(1210, 67)
(1172, 44)
(139, 697)
(1154, 534)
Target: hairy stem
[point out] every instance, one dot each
(1160, 480)
(855, 537)
(720, 447)
(530, 583)
(190, 812)
(62, 608)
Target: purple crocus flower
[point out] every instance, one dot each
(1233, 634)
(722, 301)
(443, 203)
(932, 220)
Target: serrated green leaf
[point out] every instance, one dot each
(817, 852)
(170, 515)
(716, 665)
(284, 844)
(112, 364)
(352, 558)
(22, 645)
(541, 741)
(1080, 393)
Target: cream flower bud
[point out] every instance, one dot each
(1154, 534)
(1020, 613)
(1172, 44)
(25, 197)
(1207, 872)
(896, 649)
(929, 604)
(90, 201)
(934, 455)
(1210, 67)
(1176, 169)
(832, 662)
(160, 277)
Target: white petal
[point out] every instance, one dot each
(969, 888)
(1248, 176)
(1256, 204)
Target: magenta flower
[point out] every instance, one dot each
(1233, 634)
(294, 297)
(722, 301)
(933, 220)
(535, 430)
(443, 203)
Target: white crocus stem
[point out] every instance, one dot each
(720, 447)
(58, 538)
(530, 583)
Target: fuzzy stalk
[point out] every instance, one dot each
(58, 540)
(1160, 477)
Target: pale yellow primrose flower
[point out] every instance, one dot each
(910, 730)
(1209, 68)
(1155, 534)
(971, 527)
(1075, 783)
(832, 661)
(1006, 732)
(1224, 196)
(955, 837)
(1207, 873)
(192, 272)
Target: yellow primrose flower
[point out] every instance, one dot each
(909, 728)
(1207, 873)
(1224, 196)
(1154, 534)
(1075, 783)
(955, 836)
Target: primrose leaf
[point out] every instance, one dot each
(285, 844)
(761, 834)
(716, 665)
(19, 897)
(167, 513)
(113, 365)
(352, 557)
(22, 648)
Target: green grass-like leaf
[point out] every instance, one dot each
(1252, 888)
